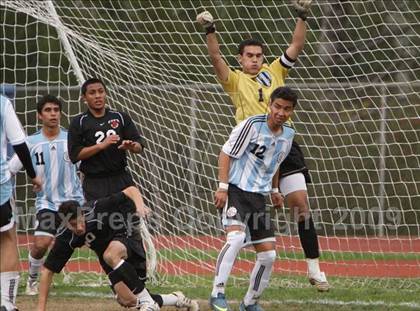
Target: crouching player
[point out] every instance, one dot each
(101, 227)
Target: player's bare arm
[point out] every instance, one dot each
(220, 196)
(134, 194)
(44, 287)
(302, 8)
(276, 197)
(205, 19)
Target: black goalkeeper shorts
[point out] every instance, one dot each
(295, 163)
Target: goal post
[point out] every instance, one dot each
(357, 121)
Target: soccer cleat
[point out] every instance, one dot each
(254, 307)
(31, 287)
(320, 282)
(147, 306)
(219, 303)
(184, 302)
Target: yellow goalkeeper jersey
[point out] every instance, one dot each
(250, 94)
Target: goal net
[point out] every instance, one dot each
(357, 121)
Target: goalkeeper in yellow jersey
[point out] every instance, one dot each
(249, 90)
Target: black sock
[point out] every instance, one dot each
(128, 275)
(158, 299)
(308, 238)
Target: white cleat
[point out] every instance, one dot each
(320, 282)
(184, 302)
(31, 287)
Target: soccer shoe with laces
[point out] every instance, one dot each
(184, 302)
(320, 282)
(219, 303)
(254, 307)
(31, 287)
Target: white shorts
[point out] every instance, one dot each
(292, 183)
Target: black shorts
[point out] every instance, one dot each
(6, 217)
(47, 222)
(100, 187)
(249, 209)
(136, 255)
(295, 163)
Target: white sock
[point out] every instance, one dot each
(260, 276)
(9, 285)
(34, 267)
(313, 267)
(226, 259)
(169, 299)
(144, 297)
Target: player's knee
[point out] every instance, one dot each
(236, 239)
(267, 257)
(111, 257)
(298, 204)
(38, 252)
(40, 247)
(127, 302)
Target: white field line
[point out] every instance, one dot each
(330, 302)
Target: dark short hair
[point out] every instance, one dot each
(286, 93)
(48, 98)
(69, 210)
(89, 82)
(249, 42)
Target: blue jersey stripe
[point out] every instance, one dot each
(259, 160)
(60, 180)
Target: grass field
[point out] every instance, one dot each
(277, 297)
(371, 286)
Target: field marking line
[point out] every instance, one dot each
(332, 302)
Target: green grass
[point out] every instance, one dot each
(291, 293)
(195, 254)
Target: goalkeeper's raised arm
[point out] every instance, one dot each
(302, 8)
(206, 20)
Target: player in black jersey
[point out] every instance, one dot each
(121, 257)
(100, 139)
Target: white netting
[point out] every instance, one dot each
(357, 118)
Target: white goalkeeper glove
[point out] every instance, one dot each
(302, 8)
(205, 19)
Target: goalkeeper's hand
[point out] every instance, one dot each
(302, 8)
(205, 19)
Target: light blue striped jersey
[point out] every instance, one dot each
(256, 153)
(52, 163)
(10, 131)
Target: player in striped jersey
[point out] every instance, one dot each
(11, 131)
(248, 171)
(48, 149)
(249, 90)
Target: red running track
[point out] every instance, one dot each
(348, 268)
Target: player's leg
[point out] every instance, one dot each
(293, 179)
(116, 256)
(44, 235)
(261, 232)
(233, 215)
(137, 257)
(176, 299)
(9, 258)
(293, 188)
